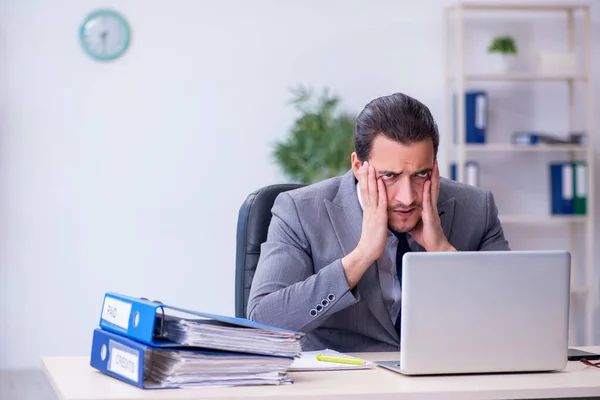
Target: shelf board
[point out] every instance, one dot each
(522, 148)
(518, 7)
(521, 77)
(541, 219)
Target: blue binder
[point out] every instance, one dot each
(142, 320)
(127, 360)
(471, 172)
(476, 116)
(119, 357)
(561, 188)
(580, 192)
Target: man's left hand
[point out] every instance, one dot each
(428, 233)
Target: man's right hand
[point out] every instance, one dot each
(374, 227)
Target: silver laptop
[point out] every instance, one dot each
(480, 312)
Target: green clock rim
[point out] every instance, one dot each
(111, 13)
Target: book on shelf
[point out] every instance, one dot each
(471, 172)
(475, 116)
(568, 188)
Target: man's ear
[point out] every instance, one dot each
(356, 163)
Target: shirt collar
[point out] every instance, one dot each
(358, 195)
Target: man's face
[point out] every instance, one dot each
(404, 169)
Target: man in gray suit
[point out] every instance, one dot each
(331, 263)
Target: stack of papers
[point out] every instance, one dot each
(212, 334)
(309, 362)
(170, 368)
(153, 345)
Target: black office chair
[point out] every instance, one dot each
(253, 223)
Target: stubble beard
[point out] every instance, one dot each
(405, 228)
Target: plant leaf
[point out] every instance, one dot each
(320, 140)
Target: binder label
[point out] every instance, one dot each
(480, 111)
(124, 361)
(472, 174)
(581, 182)
(567, 181)
(116, 312)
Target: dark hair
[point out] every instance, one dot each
(398, 117)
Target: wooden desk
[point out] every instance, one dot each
(73, 379)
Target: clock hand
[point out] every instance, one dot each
(103, 36)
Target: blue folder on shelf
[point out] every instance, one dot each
(561, 188)
(149, 367)
(476, 116)
(580, 183)
(471, 172)
(161, 325)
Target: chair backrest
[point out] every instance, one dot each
(252, 227)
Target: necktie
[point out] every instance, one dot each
(403, 248)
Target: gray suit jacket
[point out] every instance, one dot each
(300, 283)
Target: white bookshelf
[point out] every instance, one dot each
(520, 77)
(507, 6)
(457, 79)
(529, 219)
(507, 147)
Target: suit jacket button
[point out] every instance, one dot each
(331, 297)
(313, 313)
(324, 302)
(319, 308)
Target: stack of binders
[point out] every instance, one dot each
(568, 188)
(152, 346)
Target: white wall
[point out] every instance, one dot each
(128, 176)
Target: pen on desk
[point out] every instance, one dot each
(321, 357)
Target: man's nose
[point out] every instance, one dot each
(405, 193)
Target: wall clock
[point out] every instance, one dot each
(104, 35)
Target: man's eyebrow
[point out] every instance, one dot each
(386, 172)
(427, 170)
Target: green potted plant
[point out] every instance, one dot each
(504, 50)
(320, 140)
